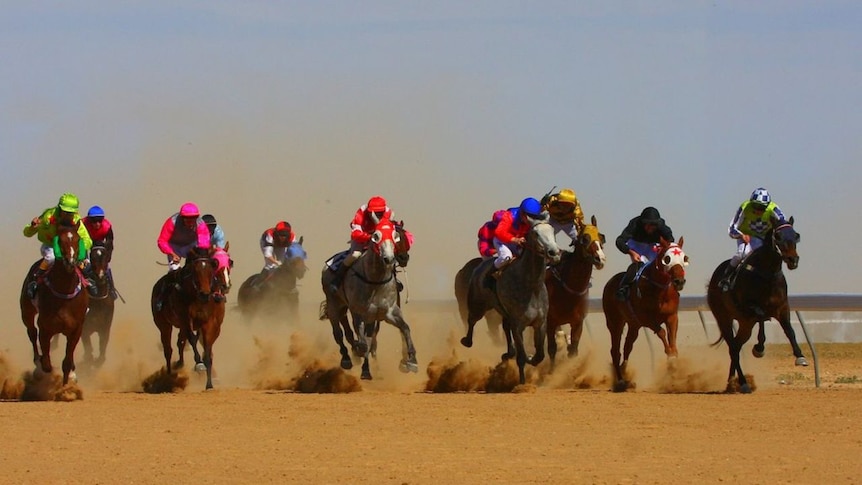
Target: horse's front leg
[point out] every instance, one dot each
(759, 349)
(742, 336)
(408, 351)
(338, 335)
(45, 359)
(511, 351)
(517, 335)
(69, 360)
(33, 335)
(182, 336)
(784, 321)
(194, 337)
(539, 335)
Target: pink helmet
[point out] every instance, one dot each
(189, 209)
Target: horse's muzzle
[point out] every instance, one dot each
(679, 283)
(792, 262)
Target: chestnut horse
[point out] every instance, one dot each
(61, 302)
(278, 294)
(101, 313)
(653, 301)
(369, 292)
(193, 307)
(519, 295)
(759, 293)
(568, 285)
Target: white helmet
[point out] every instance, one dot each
(761, 196)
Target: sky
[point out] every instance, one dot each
(261, 111)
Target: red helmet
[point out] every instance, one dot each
(376, 204)
(282, 229)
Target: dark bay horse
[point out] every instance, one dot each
(101, 313)
(759, 293)
(462, 286)
(568, 285)
(369, 292)
(278, 293)
(519, 295)
(190, 305)
(653, 301)
(61, 302)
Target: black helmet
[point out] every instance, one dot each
(210, 220)
(650, 215)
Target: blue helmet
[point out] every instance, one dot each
(531, 207)
(760, 196)
(95, 211)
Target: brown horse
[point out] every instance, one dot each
(654, 300)
(275, 293)
(61, 302)
(193, 307)
(568, 285)
(759, 292)
(101, 313)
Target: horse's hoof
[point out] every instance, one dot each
(200, 367)
(506, 356)
(466, 342)
(73, 377)
(745, 388)
(620, 386)
(366, 376)
(406, 367)
(346, 364)
(802, 362)
(758, 351)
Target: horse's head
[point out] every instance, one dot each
(786, 238)
(591, 244)
(201, 265)
(384, 239)
(99, 257)
(223, 266)
(68, 246)
(541, 238)
(402, 247)
(294, 260)
(673, 260)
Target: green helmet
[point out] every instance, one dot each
(68, 202)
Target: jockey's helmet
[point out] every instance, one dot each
(376, 204)
(531, 207)
(68, 203)
(650, 215)
(189, 209)
(282, 229)
(567, 195)
(210, 220)
(760, 196)
(95, 211)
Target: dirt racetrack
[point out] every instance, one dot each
(675, 427)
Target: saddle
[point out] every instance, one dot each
(335, 261)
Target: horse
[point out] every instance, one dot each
(101, 314)
(568, 285)
(519, 294)
(654, 300)
(277, 291)
(61, 302)
(758, 293)
(367, 346)
(462, 286)
(369, 291)
(190, 304)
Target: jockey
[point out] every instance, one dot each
(274, 244)
(44, 227)
(217, 239)
(753, 219)
(362, 227)
(565, 211)
(181, 233)
(102, 234)
(486, 234)
(640, 240)
(510, 233)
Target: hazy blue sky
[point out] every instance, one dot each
(261, 111)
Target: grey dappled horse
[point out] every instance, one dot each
(519, 294)
(369, 291)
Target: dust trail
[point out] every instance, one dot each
(49, 387)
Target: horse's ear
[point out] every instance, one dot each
(593, 220)
(301, 238)
(790, 220)
(227, 247)
(681, 240)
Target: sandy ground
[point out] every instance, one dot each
(676, 426)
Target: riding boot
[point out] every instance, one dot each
(90, 281)
(726, 281)
(335, 284)
(38, 276)
(628, 279)
(171, 281)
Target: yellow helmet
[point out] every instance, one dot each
(68, 202)
(567, 195)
